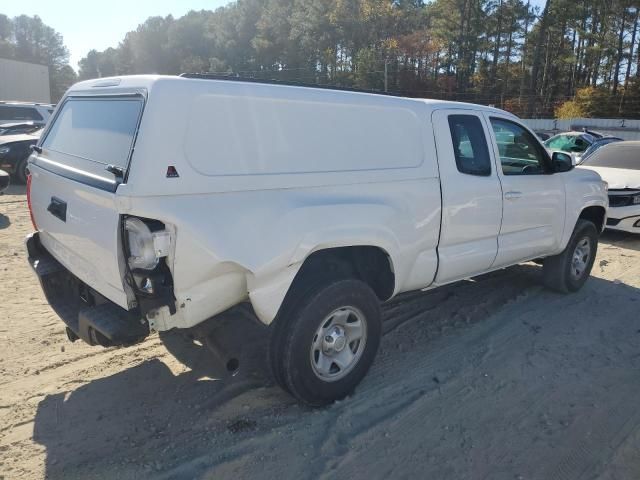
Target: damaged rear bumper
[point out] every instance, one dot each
(88, 314)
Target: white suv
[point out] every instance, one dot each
(21, 112)
(160, 202)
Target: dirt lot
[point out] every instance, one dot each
(495, 378)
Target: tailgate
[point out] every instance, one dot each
(82, 158)
(80, 226)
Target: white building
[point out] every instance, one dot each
(27, 82)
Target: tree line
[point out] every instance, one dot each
(571, 58)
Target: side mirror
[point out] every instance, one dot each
(562, 162)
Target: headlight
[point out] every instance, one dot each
(636, 200)
(142, 254)
(4, 150)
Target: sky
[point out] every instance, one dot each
(87, 25)
(102, 25)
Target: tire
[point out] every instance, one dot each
(21, 171)
(299, 292)
(561, 272)
(304, 362)
(305, 284)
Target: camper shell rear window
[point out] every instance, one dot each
(89, 134)
(100, 130)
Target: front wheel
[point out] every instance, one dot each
(326, 343)
(22, 170)
(568, 271)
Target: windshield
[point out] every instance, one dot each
(615, 155)
(568, 143)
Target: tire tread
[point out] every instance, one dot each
(291, 324)
(555, 269)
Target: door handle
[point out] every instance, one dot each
(512, 195)
(58, 208)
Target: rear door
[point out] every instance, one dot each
(534, 198)
(471, 195)
(85, 155)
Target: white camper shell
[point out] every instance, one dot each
(160, 202)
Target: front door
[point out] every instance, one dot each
(534, 198)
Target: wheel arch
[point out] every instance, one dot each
(370, 263)
(594, 211)
(595, 214)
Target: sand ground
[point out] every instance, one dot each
(494, 378)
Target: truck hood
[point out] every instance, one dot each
(617, 178)
(18, 138)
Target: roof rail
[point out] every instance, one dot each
(237, 78)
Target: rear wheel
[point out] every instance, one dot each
(326, 343)
(568, 271)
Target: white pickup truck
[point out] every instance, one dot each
(161, 202)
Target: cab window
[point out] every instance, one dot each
(469, 145)
(520, 152)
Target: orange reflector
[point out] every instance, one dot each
(33, 222)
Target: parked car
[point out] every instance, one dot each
(12, 112)
(619, 165)
(579, 144)
(307, 206)
(543, 136)
(599, 142)
(570, 142)
(19, 127)
(5, 180)
(14, 153)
